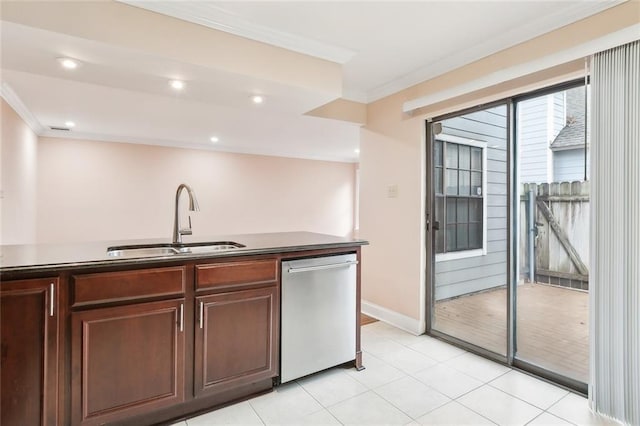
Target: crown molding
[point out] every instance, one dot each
(20, 108)
(584, 50)
(167, 143)
(216, 17)
(355, 95)
(517, 35)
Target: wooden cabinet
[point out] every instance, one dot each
(237, 316)
(236, 339)
(139, 344)
(132, 355)
(126, 360)
(29, 322)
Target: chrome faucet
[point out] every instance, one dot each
(193, 206)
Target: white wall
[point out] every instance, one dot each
(91, 190)
(18, 155)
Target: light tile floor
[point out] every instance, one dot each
(410, 380)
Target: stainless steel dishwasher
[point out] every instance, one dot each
(318, 314)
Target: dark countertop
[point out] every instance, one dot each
(53, 257)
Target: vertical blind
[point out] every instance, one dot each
(614, 388)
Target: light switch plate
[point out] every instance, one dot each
(392, 191)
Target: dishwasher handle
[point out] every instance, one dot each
(321, 267)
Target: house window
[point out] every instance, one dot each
(460, 194)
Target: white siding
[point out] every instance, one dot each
(568, 166)
(559, 113)
(539, 122)
(533, 145)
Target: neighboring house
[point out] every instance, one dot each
(471, 245)
(569, 147)
(551, 137)
(470, 183)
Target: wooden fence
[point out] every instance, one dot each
(554, 234)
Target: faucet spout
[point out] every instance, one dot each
(193, 206)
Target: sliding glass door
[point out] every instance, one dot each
(508, 235)
(552, 289)
(469, 199)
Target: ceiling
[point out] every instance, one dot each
(120, 91)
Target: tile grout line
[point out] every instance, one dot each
(437, 363)
(474, 389)
(409, 415)
(483, 381)
(530, 403)
(256, 412)
(474, 411)
(551, 414)
(542, 410)
(325, 408)
(383, 335)
(517, 397)
(529, 422)
(555, 403)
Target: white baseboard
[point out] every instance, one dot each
(394, 318)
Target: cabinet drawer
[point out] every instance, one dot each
(127, 285)
(220, 275)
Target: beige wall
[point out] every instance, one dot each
(18, 154)
(392, 149)
(91, 190)
(391, 264)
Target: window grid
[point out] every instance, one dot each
(459, 196)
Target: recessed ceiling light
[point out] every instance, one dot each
(214, 139)
(69, 124)
(69, 63)
(357, 151)
(257, 99)
(176, 84)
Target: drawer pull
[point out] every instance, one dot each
(182, 317)
(201, 314)
(52, 299)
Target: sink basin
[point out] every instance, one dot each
(133, 251)
(158, 250)
(208, 247)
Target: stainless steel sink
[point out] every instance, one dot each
(146, 251)
(159, 250)
(208, 247)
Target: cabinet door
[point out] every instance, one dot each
(29, 322)
(235, 339)
(126, 360)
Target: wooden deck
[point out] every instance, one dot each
(365, 319)
(552, 325)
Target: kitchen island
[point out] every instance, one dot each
(93, 338)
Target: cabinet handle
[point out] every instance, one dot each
(181, 316)
(52, 298)
(201, 314)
